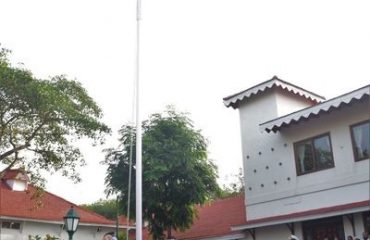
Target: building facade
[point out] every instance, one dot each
(306, 162)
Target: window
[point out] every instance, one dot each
(11, 225)
(360, 134)
(313, 154)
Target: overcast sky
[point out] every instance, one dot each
(194, 53)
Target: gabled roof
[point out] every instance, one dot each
(274, 82)
(324, 107)
(216, 218)
(21, 205)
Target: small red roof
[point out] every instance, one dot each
(16, 174)
(21, 204)
(216, 218)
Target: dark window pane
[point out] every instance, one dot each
(361, 138)
(313, 154)
(16, 225)
(11, 225)
(323, 155)
(5, 225)
(305, 158)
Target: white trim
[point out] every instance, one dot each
(233, 99)
(275, 124)
(225, 237)
(300, 219)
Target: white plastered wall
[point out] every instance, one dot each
(41, 229)
(272, 185)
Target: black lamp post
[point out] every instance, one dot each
(71, 220)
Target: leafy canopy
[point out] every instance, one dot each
(106, 208)
(177, 174)
(41, 118)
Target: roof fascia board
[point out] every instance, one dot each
(223, 237)
(269, 84)
(300, 219)
(277, 123)
(61, 222)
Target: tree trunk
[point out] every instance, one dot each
(169, 233)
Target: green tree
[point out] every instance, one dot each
(177, 174)
(234, 188)
(107, 208)
(40, 119)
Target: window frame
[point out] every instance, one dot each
(354, 149)
(13, 225)
(312, 149)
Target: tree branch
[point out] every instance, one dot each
(16, 149)
(35, 131)
(11, 165)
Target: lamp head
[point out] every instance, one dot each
(71, 220)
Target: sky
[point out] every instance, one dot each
(193, 53)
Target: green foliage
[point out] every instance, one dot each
(235, 188)
(42, 118)
(106, 208)
(47, 237)
(176, 172)
(122, 235)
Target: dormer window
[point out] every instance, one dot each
(313, 154)
(16, 180)
(360, 134)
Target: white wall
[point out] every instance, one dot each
(41, 229)
(272, 185)
(17, 185)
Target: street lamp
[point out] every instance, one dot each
(71, 220)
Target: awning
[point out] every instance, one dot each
(274, 82)
(324, 107)
(306, 215)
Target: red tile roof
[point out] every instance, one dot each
(20, 204)
(216, 219)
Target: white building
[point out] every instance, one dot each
(306, 162)
(22, 216)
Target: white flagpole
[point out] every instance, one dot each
(138, 131)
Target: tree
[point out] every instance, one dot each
(235, 188)
(106, 208)
(39, 119)
(177, 174)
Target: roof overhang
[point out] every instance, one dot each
(61, 222)
(314, 111)
(306, 215)
(275, 82)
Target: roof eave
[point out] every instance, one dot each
(307, 113)
(289, 219)
(61, 222)
(234, 100)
